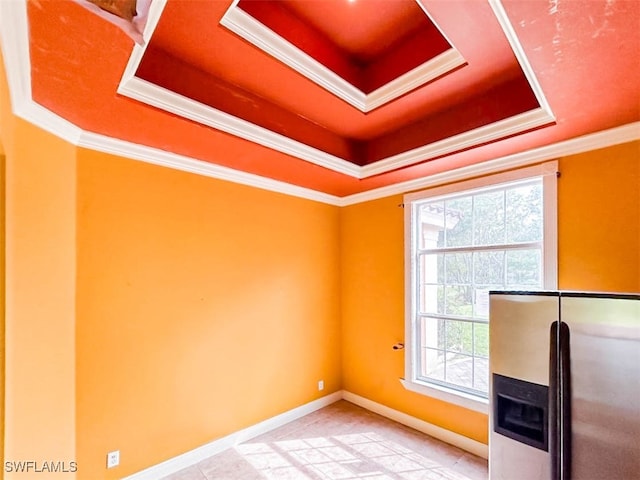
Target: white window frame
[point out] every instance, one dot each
(548, 172)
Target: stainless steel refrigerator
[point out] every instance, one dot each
(565, 386)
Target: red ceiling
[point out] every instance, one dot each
(367, 43)
(363, 29)
(583, 54)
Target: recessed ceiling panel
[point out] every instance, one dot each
(530, 76)
(366, 53)
(367, 43)
(478, 114)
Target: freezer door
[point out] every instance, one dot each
(605, 384)
(519, 335)
(519, 326)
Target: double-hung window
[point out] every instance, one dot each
(463, 240)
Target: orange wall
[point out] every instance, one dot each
(152, 311)
(204, 307)
(39, 416)
(2, 304)
(373, 317)
(599, 244)
(599, 220)
(5, 116)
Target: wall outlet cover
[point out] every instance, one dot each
(113, 459)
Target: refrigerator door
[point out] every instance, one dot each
(605, 385)
(519, 326)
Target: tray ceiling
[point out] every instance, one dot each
(342, 97)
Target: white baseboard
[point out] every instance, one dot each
(447, 436)
(196, 455)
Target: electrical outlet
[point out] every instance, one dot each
(321, 385)
(113, 459)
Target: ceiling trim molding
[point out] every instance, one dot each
(162, 98)
(183, 163)
(516, 47)
(14, 31)
(593, 141)
(153, 17)
(478, 136)
(14, 21)
(261, 36)
(167, 100)
(49, 121)
(14, 28)
(439, 65)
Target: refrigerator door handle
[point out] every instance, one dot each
(560, 401)
(565, 399)
(554, 403)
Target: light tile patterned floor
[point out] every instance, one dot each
(340, 442)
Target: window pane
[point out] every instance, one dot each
(481, 374)
(458, 300)
(486, 239)
(432, 363)
(481, 339)
(524, 214)
(488, 218)
(431, 299)
(431, 268)
(432, 332)
(458, 268)
(431, 225)
(459, 220)
(459, 336)
(459, 370)
(524, 268)
(489, 267)
(481, 300)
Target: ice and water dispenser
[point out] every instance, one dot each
(521, 411)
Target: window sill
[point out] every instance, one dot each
(447, 395)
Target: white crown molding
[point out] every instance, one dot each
(154, 95)
(185, 107)
(605, 138)
(445, 62)
(15, 50)
(478, 136)
(518, 51)
(14, 28)
(14, 32)
(247, 27)
(422, 74)
(49, 121)
(153, 17)
(203, 452)
(163, 158)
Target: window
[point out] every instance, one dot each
(463, 240)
